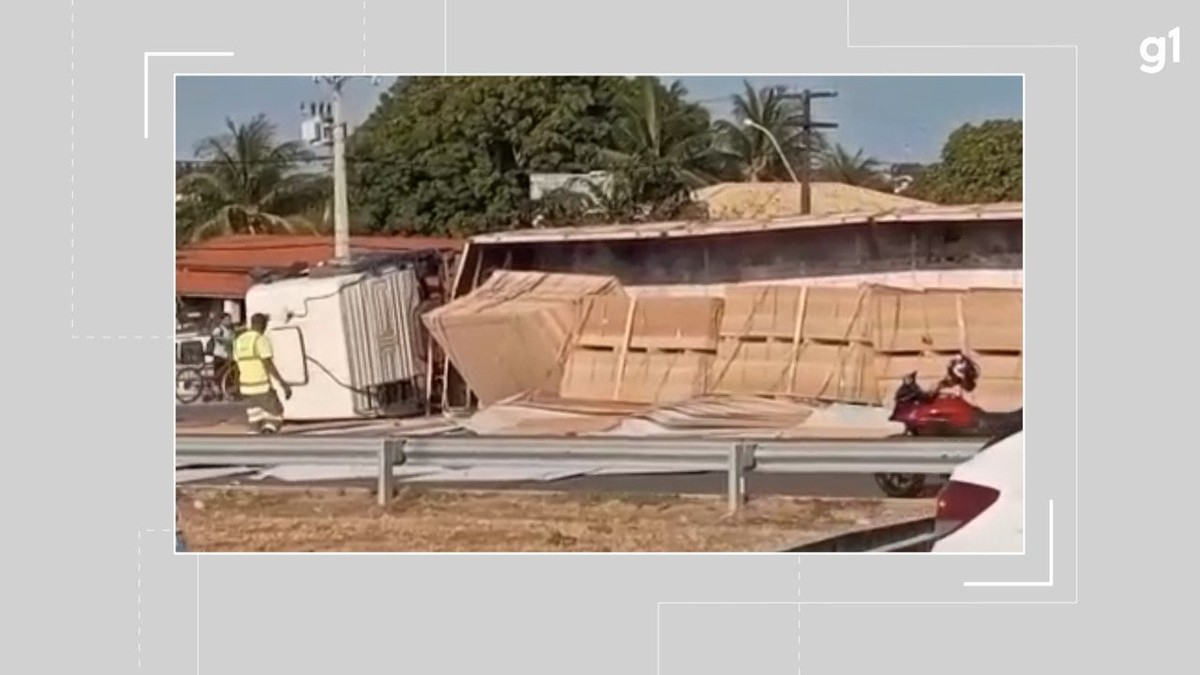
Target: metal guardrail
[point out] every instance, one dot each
(909, 457)
(260, 450)
(736, 458)
(471, 451)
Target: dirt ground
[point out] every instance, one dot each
(430, 519)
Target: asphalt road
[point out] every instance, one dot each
(206, 413)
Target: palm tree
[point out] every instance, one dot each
(838, 165)
(748, 151)
(582, 201)
(248, 183)
(662, 139)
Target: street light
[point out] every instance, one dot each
(786, 164)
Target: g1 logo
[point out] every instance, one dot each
(1154, 52)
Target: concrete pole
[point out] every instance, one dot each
(341, 204)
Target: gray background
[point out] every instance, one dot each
(90, 582)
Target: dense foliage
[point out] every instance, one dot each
(980, 163)
(456, 154)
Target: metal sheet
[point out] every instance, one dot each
(380, 319)
(488, 474)
(647, 470)
(189, 475)
(317, 472)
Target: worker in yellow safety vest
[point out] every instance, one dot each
(254, 355)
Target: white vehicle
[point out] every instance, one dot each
(347, 339)
(980, 508)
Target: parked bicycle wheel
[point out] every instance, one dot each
(229, 384)
(189, 385)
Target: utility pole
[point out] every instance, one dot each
(341, 204)
(807, 125)
(328, 128)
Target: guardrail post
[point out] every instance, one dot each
(749, 461)
(737, 476)
(387, 479)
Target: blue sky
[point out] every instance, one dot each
(895, 119)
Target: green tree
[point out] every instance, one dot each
(979, 164)
(748, 153)
(245, 182)
(662, 149)
(454, 154)
(838, 165)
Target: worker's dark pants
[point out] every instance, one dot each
(264, 412)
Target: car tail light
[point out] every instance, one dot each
(959, 503)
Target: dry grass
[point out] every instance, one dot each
(430, 519)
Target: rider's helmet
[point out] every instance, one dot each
(963, 372)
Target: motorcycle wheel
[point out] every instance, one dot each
(901, 485)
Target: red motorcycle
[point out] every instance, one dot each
(939, 414)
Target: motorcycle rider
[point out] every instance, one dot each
(962, 374)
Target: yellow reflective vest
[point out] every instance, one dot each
(249, 350)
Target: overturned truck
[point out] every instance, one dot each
(835, 308)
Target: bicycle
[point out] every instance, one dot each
(193, 383)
